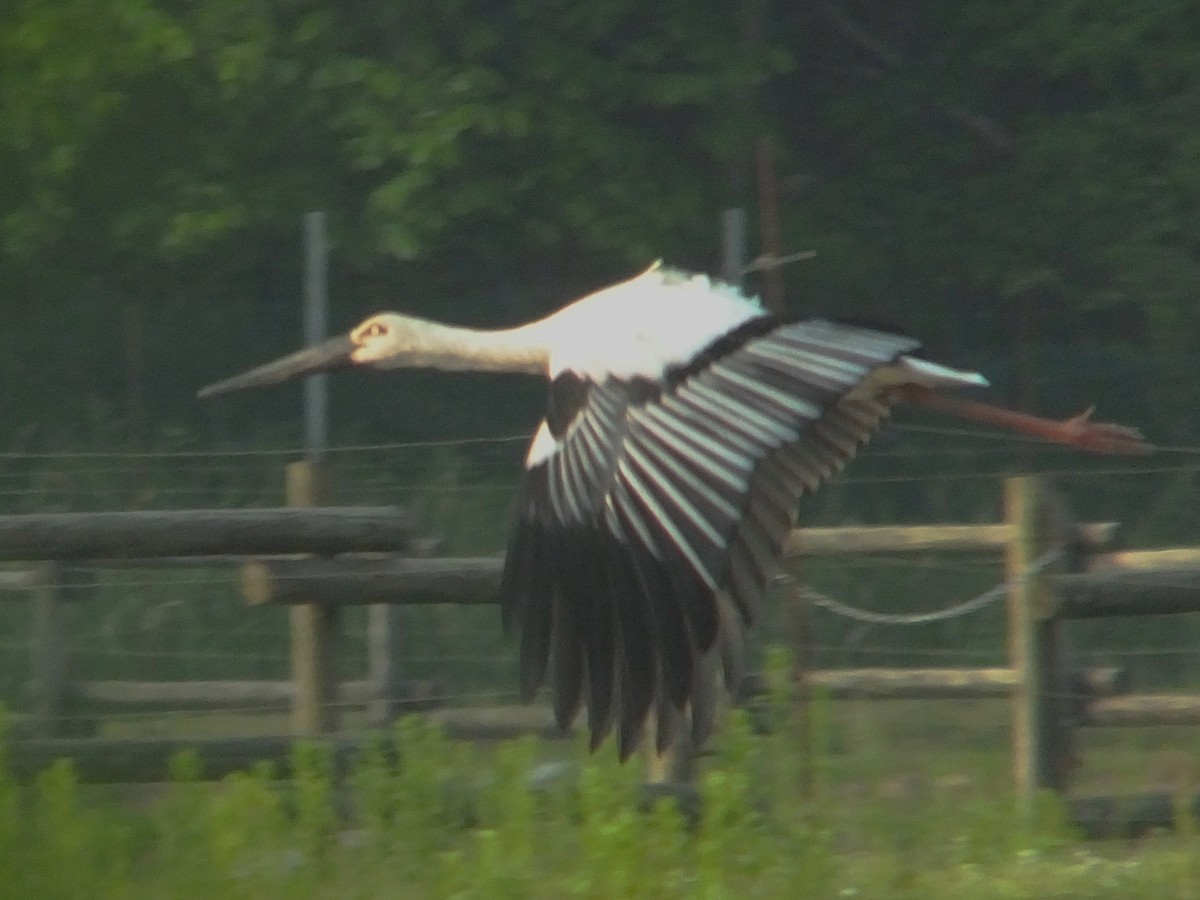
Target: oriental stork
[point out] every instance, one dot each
(683, 425)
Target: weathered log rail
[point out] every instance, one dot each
(64, 537)
(90, 698)
(411, 581)
(1112, 591)
(316, 560)
(1140, 710)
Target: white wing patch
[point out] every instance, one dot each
(930, 374)
(542, 446)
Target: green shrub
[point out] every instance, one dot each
(417, 815)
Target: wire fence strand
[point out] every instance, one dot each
(964, 608)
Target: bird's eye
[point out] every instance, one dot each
(375, 329)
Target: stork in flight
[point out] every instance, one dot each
(683, 425)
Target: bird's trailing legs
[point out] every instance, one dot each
(1078, 431)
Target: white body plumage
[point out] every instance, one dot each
(643, 326)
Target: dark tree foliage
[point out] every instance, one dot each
(981, 173)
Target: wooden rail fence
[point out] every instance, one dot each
(320, 559)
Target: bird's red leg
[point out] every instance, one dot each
(1078, 431)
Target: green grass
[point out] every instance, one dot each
(907, 799)
(420, 816)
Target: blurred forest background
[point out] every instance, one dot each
(1001, 179)
(1017, 183)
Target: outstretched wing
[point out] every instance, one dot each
(646, 503)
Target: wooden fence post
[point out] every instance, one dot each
(672, 773)
(799, 628)
(383, 662)
(312, 628)
(1034, 640)
(385, 630)
(50, 652)
(674, 764)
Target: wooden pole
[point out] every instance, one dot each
(1034, 642)
(672, 770)
(383, 662)
(800, 631)
(312, 628)
(50, 652)
(1019, 498)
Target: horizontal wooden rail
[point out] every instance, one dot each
(1130, 816)
(181, 694)
(951, 682)
(866, 684)
(896, 684)
(1144, 709)
(222, 534)
(25, 580)
(395, 580)
(472, 580)
(115, 696)
(921, 538)
(1135, 592)
(1146, 559)
(203, 532)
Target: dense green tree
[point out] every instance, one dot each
(161, 154)
(981, 155)
(956, 166)
(160, 129)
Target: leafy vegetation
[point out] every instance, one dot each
(987, 177)
(418, 816)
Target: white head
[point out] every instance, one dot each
(393, 341)
(390, 341)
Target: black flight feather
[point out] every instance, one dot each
(646, 540)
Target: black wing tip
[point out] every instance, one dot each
(600, 725)
(630, 737)
(566, 709)
(595, 740)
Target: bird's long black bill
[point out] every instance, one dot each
(324, 357)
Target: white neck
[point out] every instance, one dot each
(451, 348)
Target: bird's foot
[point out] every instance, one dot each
(1103, 437)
